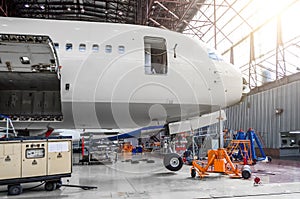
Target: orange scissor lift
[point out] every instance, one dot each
(219, 162)
(242, 149)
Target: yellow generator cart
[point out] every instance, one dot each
(34, 159)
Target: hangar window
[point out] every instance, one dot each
(69, 47)
(82, 47)
(121, 49)
(155, 55)
(56, 45)
(108, 48)
(95, 48)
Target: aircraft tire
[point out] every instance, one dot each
(173, 162)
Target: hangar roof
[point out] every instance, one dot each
(257, 36)
(170, 14)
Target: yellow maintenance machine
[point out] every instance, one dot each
(35, 159)
(219, 162)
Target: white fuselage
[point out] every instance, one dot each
(108, 83)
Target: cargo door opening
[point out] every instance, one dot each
(29, 78)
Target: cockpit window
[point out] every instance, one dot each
(214, 55)
(155, 55)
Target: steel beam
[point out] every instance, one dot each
(3, 8)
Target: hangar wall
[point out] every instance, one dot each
(271, 109)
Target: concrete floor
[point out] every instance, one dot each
(280, 179)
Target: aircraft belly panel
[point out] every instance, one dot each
(125, 115)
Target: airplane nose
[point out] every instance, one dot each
(232, 83)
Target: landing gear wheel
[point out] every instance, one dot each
(50, 186)
(173, 162)
(14, 189)
(193, 173)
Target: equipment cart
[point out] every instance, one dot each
(34, 159)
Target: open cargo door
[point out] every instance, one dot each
(29, 78)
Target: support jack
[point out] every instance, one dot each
(219, 162)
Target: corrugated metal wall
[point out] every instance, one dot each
(258, 111)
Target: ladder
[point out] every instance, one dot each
(9, 126)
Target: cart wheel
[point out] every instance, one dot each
(14, 189)
(58, 184)
(50, 186)
(173, 162)
(269, 159)
(246, 173)
(193, 173)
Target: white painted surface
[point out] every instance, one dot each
(119, 79)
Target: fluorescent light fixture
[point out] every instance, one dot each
(295, 132)
(25, 60)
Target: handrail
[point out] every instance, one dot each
(8, 125)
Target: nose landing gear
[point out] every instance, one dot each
(173, 162)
